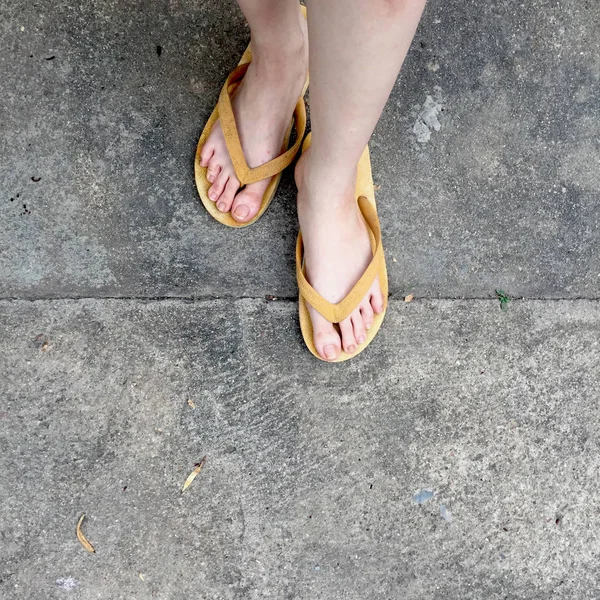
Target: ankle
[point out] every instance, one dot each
(275, 51)
(325, 184)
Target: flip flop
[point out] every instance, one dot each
(335, 313)
(243, 172)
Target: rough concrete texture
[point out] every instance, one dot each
(310, 473)
(488, 158)
(501, 191)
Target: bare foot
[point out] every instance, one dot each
(337, 252)
(263, 106)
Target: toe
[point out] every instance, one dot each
(358, 326)
(228, 195)
(377, 300)
(367, 314)
(326, 339)
(215, 191)
(212, 173)
(206, 154)
(247, 202)
(348, 340)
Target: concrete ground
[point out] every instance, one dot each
(457, 458)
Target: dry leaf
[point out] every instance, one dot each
(191, 404)
(376, 187)
(45, 346)
(193, 474)
(82, 539)
(409, 298)
(142, 576)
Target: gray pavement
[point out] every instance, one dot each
(120, 301)
(308, 487)
(504, 194)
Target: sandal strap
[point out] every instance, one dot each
(243, 172)
(335, 313)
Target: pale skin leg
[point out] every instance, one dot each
(356, 50)
(263, 104)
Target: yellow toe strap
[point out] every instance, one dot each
(243, 172)
(335, 313)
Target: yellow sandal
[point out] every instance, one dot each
(243, 172)
(335, 313)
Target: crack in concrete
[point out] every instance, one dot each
(189, 299)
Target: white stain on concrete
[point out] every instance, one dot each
(67, 583)
(428, 117)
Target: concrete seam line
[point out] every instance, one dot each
(268, 298)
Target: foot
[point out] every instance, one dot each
(337, 251)
(263, 105)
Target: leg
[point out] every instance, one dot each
(263, 104)
(356, 50)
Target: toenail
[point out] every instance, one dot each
(241, 212)
(221, 206)
(211, 177)
(351, 348)
(330, 352)
(369, 325)
(361, 339)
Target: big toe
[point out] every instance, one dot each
(247, 203)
